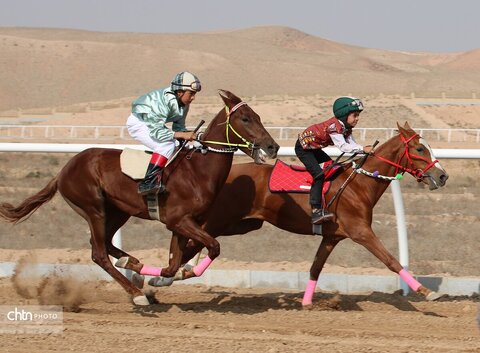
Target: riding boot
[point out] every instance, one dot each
(319, 215)
(152, 183)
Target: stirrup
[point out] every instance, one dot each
(156, 189)
(152, 184)
(322, 216)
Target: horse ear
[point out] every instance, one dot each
(406, 126)
(229, 98)
(402, 130)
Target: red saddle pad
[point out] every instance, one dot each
(293, 178)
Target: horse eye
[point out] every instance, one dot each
(420, 149)
(245, 119)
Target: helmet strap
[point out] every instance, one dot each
(344, 119)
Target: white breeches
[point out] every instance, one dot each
(139, 131)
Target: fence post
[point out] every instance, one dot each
(401, 230)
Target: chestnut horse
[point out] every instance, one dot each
(245, 202)
(95, 187)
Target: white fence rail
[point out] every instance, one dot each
(114, 132)
(455, 153)
(284, 151)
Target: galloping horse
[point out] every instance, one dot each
(245, 202)
(93, 184)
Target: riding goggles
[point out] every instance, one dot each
(195, 86)
(355, 103)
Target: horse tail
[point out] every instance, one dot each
(20, 213)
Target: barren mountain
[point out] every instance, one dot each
(55, 67)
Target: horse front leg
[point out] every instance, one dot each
(181, 253)
(177, 254)
(177, 244)
(324, 250)
(369, 240)
(199, 236)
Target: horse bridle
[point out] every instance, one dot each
(228, 127)
(417, 173)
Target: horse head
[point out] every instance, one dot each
(418, 159)
(242, 128)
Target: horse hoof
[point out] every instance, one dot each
(122, 262)
(160, 281)
(138, 280)
(141, 300)
(432, 296)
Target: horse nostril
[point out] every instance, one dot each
(443, 178)
(273, 148)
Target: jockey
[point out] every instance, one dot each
(146, 124)
(334, 131)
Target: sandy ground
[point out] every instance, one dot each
(196, 318)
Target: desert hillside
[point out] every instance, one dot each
(58, 67)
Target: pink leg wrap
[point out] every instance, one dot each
(307, 297)
(150, 271)
(202, 266)
(408, 278)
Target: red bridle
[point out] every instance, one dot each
(417, 173)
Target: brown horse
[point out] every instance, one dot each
(95, 187)
(245, 202)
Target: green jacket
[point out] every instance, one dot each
(157, 108)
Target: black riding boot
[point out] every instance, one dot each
(319, 215)
(152, 183)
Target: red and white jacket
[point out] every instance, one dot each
(328, 133)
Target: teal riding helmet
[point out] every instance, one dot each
(343, 106)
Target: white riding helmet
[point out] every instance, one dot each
(186, 81)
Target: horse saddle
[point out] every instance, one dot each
(134, 163)
(295, 178)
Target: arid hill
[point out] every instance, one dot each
(56, 67)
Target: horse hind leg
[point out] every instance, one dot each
(100, 257)
(114, 220)
(95, 216)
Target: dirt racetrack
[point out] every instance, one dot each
(190, 318)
